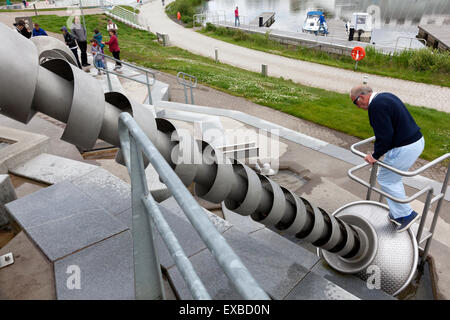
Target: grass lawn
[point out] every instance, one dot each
(330, 109)
(423, 65)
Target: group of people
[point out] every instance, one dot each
(22, 29)
(78, 39)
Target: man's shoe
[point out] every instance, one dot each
(407, 221)
(393, 220)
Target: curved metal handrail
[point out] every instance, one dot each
(428, 189)
(400, 172)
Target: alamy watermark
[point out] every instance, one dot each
(74, 279)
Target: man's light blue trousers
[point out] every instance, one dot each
(401, 158)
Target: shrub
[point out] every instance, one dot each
(422, 60)
(210, 27)
(239, 35)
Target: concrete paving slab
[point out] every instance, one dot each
(52, 169)
(30, 277)
(53, 203)
(275, 273)
(220, 224)
(243, 223)
(289, 249)
(314, 287)
(61, 237)
(341, 154)
(105, 269)
(106, 190)
(22, 146)
(187, 237)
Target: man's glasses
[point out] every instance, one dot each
(356, 100)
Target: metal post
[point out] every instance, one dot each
(150, 101)
(372, 181)
(264, 70)
(424, 215)
(192, 96)
(216, 53)
(108, 77)
(435, 217)
(147, 270)
(185, 94)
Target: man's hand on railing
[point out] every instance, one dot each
(369, 159)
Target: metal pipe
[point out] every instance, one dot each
(188, 273)
(436, 216)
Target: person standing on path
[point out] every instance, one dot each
(236, 17)
(79, 33)
(71, 43)
(38, 31)
(399, 138)
(111, 26)
(113, 44)
(22, 29)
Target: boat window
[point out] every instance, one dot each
(361, 20)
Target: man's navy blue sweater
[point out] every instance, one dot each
(392, 124)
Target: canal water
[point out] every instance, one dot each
(392, 19)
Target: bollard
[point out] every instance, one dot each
(216, 54)
(365, 79)
(264, 70)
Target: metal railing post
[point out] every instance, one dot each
(372, 181)
(107, 76)
(435, 217)
(423, 219)
(147, 270)
(150, 100)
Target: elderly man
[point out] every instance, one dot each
(398, 137)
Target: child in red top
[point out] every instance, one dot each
(236, 17)
(113, 44)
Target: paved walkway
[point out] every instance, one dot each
(307, 73)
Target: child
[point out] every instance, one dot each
(114, 48)
(99, 38)
(98, 59)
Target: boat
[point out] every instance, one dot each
(313, 23)
(360, 27)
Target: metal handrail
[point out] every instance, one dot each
(410, 42)
(134, 143)
(187, 80)
(121, 12)
(428, 190)
(149, 81)
(400, 172)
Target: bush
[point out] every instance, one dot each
(239, 35)
(422, 60)
(210, 27)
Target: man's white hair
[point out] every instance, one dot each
(360, 90)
